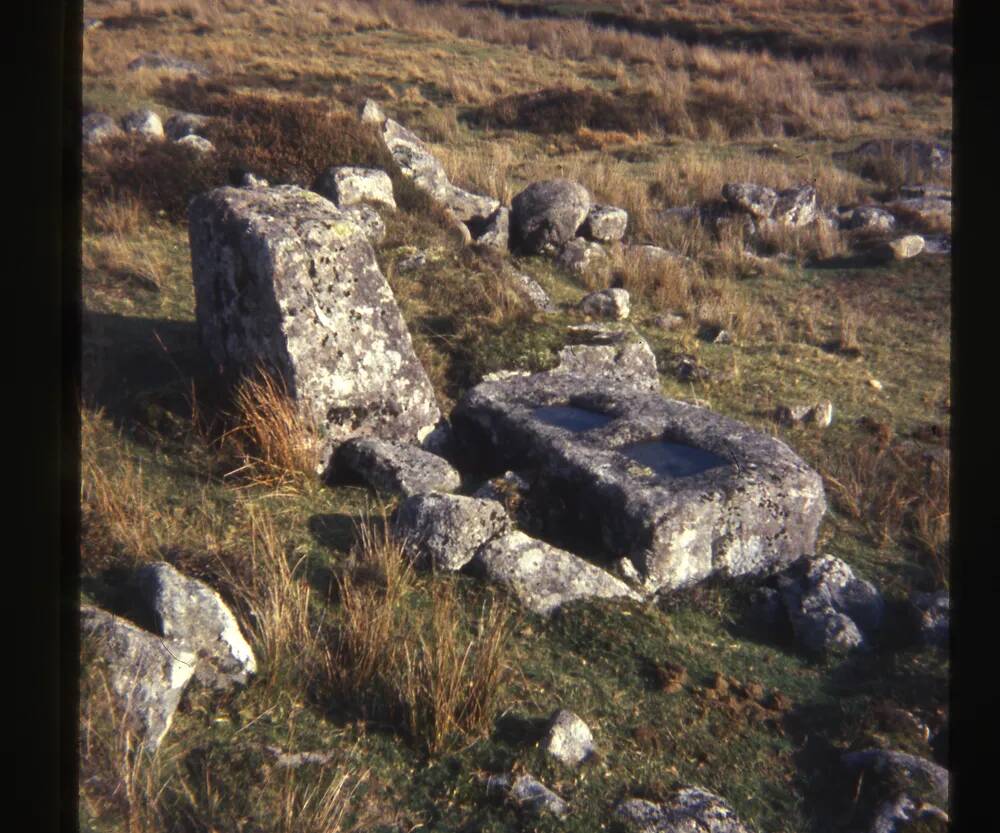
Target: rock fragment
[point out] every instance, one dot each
(397, 467)
(547, 214)
(568, 740)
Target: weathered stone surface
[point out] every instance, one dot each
(285, 278)
(180, 125)
(468, 207)
(829, 608)
(581, 257)
(543, 577)
(605, 223)
(630, 361)
(870, 218)
(569, 739)
(494, 231)
(446, 530)
(925, 775)
(607, 303)
(755, 200)
(685, 492)
(369, 221)
(931, 613)
(346, 186)
(396, 467)
(547, 214)
(528, 793)
(191, 613)
(156, 60)
(146, 673)
(903, 248)
(691, 810)
(371, 113)
(530, 289)
(796, 207)
(144, 122)
(198, 143)
(99, 126)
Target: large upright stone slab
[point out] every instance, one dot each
(684, 492)
(283, 277)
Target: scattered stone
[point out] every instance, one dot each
(583, 258)
(691, 810)
(870, 218)
(446, 530)
(198, 143)
(796, 207)
(494, 232)
(293, 760)
(394, 467)
(99, 126)
(147, 674)
(250, 180)
(144, 122)
(569, 739)
(547, 214)
(875, 383)
(369, 221)
(755, 200)
(285, 278)
(605, 223)
(684, 492)
(528, 794)
(904, 248)
(819, 414)
(180, 125)
(345, 186)
(156, 60)
(190, 613)
(543, 577)
(886, 762)
(371, 113)
(830, 609)
(607, 303)
(629, 362)
(532, 291)
(931, 613)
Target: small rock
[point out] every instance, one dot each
(796, 207)
(97, 127)
(414, 261)
(581, 257)
(604, 223)
(198, 143)
(691, 810)
(870, 218)
(397, 467)
(546, 214)
(904, 248)
(144, 122)
(631, 362)
(494, 232)
(532, 291)
(875, 383)
(371, 113)
(250, 180)
(569, 739)
(607, 303)
(347, 185)
(446, 530)
(293, 760)
(755, 200)
(532, 795)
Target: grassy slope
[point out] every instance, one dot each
(166, 493)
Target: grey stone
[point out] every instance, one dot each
(439, 441)
(532, 795)
(931, 613)
(796, 207)
(543, 577)
(144, 123)
(903, 248)
(830, 609)
(446, 530)
(568, 740)
(189, 612)
(293, 760)
(283, 277)
(198, 143)
(146, 673)
(605, 223)
(870, 218)
(371, 113)
(180, 125)
(583, 258)
(607, 303)
(97, 127)
(886, 762)
(156, 60)
(368, 220)
(630, 362)
(346, 186)
(691, 810)
(547, 214)
(755, 200)
(531, 290)
(494, 232)
(396, 467)
(723, 498)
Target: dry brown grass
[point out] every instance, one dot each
(413, 661)
(274, 440)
